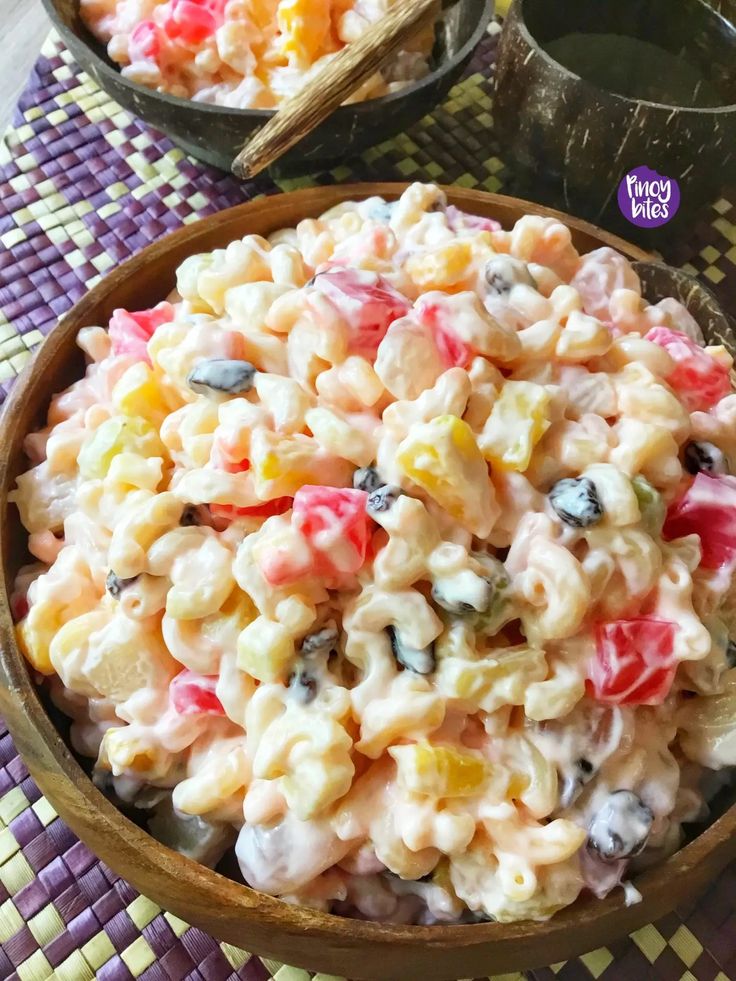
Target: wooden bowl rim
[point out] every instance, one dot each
(517, 15)
(63, 780)
(365, 107)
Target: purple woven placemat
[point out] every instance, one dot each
(83, 185)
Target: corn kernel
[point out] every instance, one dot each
(518, 420)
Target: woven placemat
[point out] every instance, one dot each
(83, 185)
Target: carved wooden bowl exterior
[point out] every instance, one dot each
(220, 906)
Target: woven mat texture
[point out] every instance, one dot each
(83, 185)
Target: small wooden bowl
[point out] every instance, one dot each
(215, 134)
(222, 907)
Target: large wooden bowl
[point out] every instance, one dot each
(216, 133)
(230, 911)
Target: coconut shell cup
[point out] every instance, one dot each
(573, 141)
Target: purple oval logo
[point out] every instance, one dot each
(647, 199)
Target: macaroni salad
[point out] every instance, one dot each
(244, 54)
(395, 549)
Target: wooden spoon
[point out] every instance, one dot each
(329, 88)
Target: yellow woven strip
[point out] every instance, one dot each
(32, 338)
(16, 873)
(286, 973)
(597, 961)
(714, 274)
(36, 968)
(74, 968)
(15, 801)
(19, 361)
(650, 942)
(8, 349)
(178, 926)
(8, 845)
(235, 956)
(687, 947)
(271, 966)
(46, 925)
(709, 253)
(10, 921)
(98, 950)
(44, 811)
(138, 956)
(142, 911)
(727, 229)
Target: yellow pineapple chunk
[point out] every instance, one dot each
(439, 771)
(518, 420)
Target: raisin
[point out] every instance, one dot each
(704, 457)
(115, 585)
(303, 686)
(383, 498)
(319, 642)
(621, 827)
(222, 375)
(503, 272)
(418, 660)
(575, 500)
(367, 479)
(463, 594)
(573, 783)
(458, 607)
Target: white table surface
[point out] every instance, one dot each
(23, 27)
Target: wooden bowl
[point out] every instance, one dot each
(220, 906)
(215, 134)
(581, 139)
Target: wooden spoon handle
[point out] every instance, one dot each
(329, 88)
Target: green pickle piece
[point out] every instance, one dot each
(651, 505)
(120, 434)
(501, 610)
